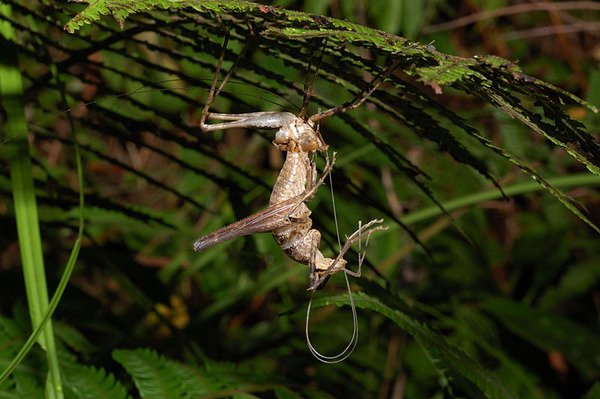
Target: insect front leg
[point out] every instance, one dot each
(258, 120)
(213, 92)
(361, 97)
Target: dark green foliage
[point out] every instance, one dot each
(79, 381)
(548, 332)
(493, 299)
(89, 382)
(157, 377)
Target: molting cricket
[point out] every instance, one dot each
(287, 216)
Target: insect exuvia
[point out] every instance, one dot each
(287, 216)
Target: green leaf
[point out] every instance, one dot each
(24, 199)
(285, 393)
(594, 392)
(157, 377)
(549, 332)
(90, 382)
(451, 363)
(534, 103)
(578, 279)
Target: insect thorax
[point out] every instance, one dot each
(299, 135)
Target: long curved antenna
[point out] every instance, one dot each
(337, 226)
(358, 100)
(344, 354)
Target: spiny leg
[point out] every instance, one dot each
(214, 92)
(361, 254)
(310, 192)
(213, 86)
(362, 251)
(363, 230)
(356, 236)
(358, 100)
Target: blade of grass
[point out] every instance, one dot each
(460, 205)
(11, 90)
(68, 269)
(575, 180)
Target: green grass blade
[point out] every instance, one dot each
(65, 277)
(549, 332)
(563, 182)
(23, 192)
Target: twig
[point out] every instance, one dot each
(551, 30)
(511, 10)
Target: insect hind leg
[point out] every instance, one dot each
(366, 229)
(214, 91)
(362, 96)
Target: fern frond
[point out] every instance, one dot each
(158, 377)
(90, 382)
(538, 105)
(454, 366)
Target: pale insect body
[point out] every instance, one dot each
(288, 217)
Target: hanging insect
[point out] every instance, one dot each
(288, 217)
